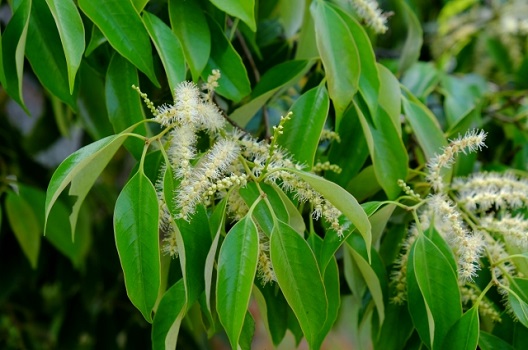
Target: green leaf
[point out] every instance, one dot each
(300, 280)
(292, 15)
(342, 200)
(274, 308)
(339, 54)
(190, 25)
(518, 298)
(373, 273)
(45, 54)
(245, 10)
(433, 273)
(396, 329)
(248, 330)
(81, 169)
(296, 220)
(425, 126)
(386, 148)
(413, 43)
(237, 265)
(120, 23)
(306, 43)
(277, 78)
(167, 321)
(488, 341)
(71, 31)
(301, 134)
(13, 48)
(123, 103)
(234, 82)
(136, 224)
(421, 78)
(465, 332)
(390, 96)
(25, 225)
(168, 47)
(97, 38)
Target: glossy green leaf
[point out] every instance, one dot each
(245, 10)
(413, 42)
(136, 224)
(291, 16)
(25, 226)
(190, 25)
(433, 273)
(168, 47)
(464, 334)
(264, 214)
(300, 280)
(97, 38)
(425, 126)
(237, 265)
(518, 298)
(488, 341)
(390, 96)
(339, 54)
(234, 81)
(342, 200)
(296, 220)
(122, 102)
(167, 321)
(301, 134)
(139, 5)
(13, 49)
(71, 31)
(274, 80)
(81, 169)
(306, 43)
(121, 25)
(387, 150)
(45, 54)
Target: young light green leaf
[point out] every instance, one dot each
(274, 80)
(14, 46)
(433, 273)
(234, 82)
(386, 148)
(464, 334)
(71, 31)
(25, 225)
(168, 47)
(339, 54)
(167, 321)
(342, 200)
(300, 280)
(301, 134)
(518, 298)
(136, 221)
(237, 265)
(190, 25)
(81, 169)
(245, 10)
(45, 54)
(123, 103)
(122, 26)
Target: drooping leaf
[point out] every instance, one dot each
(13, 48)
(237, 265)
(488, 341)
(434, 273)
(121, 25)
(342, 200)
(81, 169)
(25, 226)
(292, 14)
(190, 26)
(300, 280)
(413, 42)
(167, 321)
(136, 221)
(296, 220)
(518, 298)
(234, 81)
(464, 334)
(71, 31)
(248, 330)
(45, 54)
(301, 134)
(275, 79)
(396, 329)
(245, 10)
(339, 54)
(122, 102)
(274, 310)
(168, 47)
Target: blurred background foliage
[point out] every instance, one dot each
(466, 60)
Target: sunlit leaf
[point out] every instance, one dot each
(464, 334)
(245, 10)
